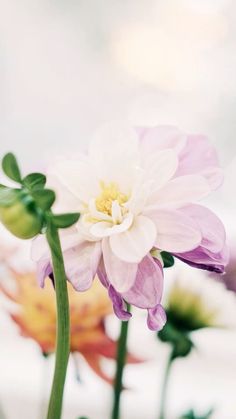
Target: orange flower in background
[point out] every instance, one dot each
(36, 317)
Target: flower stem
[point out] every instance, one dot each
(63, 324)
(120, 364)
(165, 385)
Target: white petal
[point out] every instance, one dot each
(115, 154)
(179, 192)
(120, 274)
(79, 177)
(135, 243)
(116, 212)
(105, 229)
(176, 232)
(161, 167)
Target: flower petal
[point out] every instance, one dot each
(212, 229)
(120, 274)
(156, 318)
(146, 292)
(81, 264)
(78, 176)
(202, 258)
(106, 229)
(161, 167)
(179, 192)
(135, 243)
(161, 137)
(199, 156)
(119, 305)
(115, 154)
(175, 231)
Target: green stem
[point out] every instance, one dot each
(165, 385)
(120, 364)
(63, 324)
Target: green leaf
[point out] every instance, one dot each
(44, 198)
(7, 196)
(35, 181)
(65, 220)
(168, 259)
(11, 168)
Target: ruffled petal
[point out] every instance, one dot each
(203, 258)
(119, 305)
(179, 192)
(115, 154)
(212, 229)
(147, 289)
(161, 167)
(175, 230)
(156, 318)
(78, 176)
(135, 243)
(120, 274)
(161, 137)
(105, 229)
(81, 264)
(200, 157)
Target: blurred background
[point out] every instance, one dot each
(66, 66)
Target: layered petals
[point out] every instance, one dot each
(132, 245)
(176, 230)
(199, 156)
(120, 274)
(212, 254)
(147, 290)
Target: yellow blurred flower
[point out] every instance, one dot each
(36, 317)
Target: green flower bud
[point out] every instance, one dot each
(19, 214)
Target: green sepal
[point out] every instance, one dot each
(11, 168)
(44, 198)
(180, 342)
(168, 259)
(35, 181)
(65, 220)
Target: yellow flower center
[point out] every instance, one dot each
(110, 192)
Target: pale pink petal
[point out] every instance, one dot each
(146, 292)
(161, 166)
(212, 229)
(200, 157)
(179, 192)
(135, 243)
(39, 248)
(156, 318)
(175, 230)
(81, 264)
(161, 137)
(120, 274)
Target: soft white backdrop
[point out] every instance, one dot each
(65, 67)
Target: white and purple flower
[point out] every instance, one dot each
(137, 192)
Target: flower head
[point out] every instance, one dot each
(35, 315)
(137, 192)
(194, 302)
